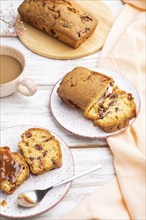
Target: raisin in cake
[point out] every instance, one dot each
(114, 111)
(82, 87)
(41, 150)
(13, 170)
(64, 20)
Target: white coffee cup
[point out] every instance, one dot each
(20, 84)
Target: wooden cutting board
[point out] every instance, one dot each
(42, 44)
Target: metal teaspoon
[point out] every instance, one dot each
(33, 197)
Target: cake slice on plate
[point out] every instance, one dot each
(13, 170)
(41, 150)
(114, 111)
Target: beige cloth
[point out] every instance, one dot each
(124, 197)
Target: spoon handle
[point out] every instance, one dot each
(78, 175)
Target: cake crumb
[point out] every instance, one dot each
(3, 203)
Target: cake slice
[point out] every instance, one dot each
(82, 87)
(114, 112)
(13, 170)
(41, 150)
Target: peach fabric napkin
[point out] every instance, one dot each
(124, 197)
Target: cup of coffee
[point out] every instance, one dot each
(12, 69)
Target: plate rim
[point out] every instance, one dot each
(101, 70)
(69, 184)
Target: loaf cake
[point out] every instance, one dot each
(82, 87)
(41, 150)
(100, 99)
(114, 112)
(64, 20)
(13, 170)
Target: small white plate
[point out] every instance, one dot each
(72, 120)
(10, 137)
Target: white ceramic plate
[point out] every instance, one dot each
(10, 137)
(72, 119)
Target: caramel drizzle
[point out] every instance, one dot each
(9, 167)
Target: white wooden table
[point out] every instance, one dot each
(19, 110)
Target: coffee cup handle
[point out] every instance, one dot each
(26, 87)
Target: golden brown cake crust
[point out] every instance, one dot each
(13, 170)
(81, 86)
(64, 20)
(41, 150)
